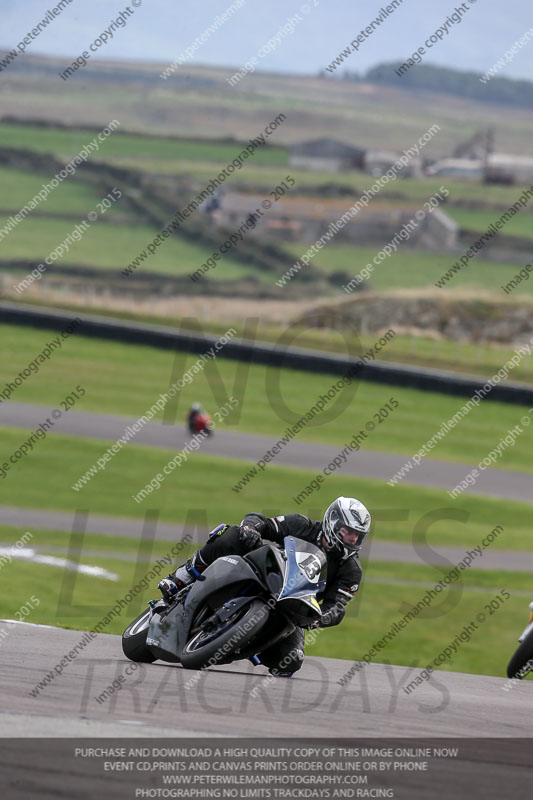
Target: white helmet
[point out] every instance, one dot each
(345, 525)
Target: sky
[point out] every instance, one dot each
(160, 30)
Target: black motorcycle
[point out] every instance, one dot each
(238, 607)
(521, 664)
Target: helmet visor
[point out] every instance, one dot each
(349, 536)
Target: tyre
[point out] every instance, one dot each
(522, 661)
(208, 648)
(134, 644)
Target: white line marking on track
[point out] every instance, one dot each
(28, 554)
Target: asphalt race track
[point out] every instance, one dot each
(166, 703)
(164, 700)
(250, 447)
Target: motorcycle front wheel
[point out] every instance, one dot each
(521, 664)
(134, 644)
(209, 647)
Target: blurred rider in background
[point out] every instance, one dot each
(198, 420)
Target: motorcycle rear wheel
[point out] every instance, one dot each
(134, 644)
(209, 648)
(522, 658)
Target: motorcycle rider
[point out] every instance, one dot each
(340, 535)
(192, 417)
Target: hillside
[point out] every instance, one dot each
(200, 102)
(175, 136)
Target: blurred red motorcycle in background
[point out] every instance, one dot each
(199, 420)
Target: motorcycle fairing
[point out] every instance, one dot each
(304, 579)
(168, 633)
(270, 565)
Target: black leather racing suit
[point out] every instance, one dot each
(342, 578)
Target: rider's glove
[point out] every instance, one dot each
(333, 616)
(250, 538)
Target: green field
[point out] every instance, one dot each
(411, 269)
(70, 197)
(44, 479)
(267, 167)
(479, 221)
(487, 653)
(458, 356)
(352, 184)
(481, 359)
(113, 246)
(127, 379)
(80, 601)
(68, 143)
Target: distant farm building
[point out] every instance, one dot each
(476, 147)
(466, 168)
(505, 168)
(326, 155)
(378, 162)
(306, 219)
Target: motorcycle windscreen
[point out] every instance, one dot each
(304, 579)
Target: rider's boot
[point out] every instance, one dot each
(182, 577)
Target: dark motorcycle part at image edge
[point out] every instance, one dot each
(521, 663)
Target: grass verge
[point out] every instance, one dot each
(127, 379)
(201, 489)
(481, 359)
